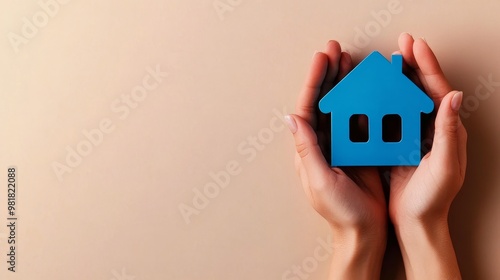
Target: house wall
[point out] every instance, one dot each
(109, 149)
(376, 152)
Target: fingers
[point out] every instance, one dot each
(449, 146)
(306, 103)
(419, 56)
(408, 70)
(405, 42)
(345, 66)
(334, 53)
(450, 138)
(433, 77)
(307, 148)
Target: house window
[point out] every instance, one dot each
(358, 128)
(391, 128)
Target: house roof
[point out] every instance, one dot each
(376, 85)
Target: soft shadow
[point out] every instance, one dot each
(469, 204)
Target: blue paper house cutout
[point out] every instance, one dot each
(378, 89)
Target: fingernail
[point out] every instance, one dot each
(423, 39)
(408, 34)
(347, 51)
(456, 101)
(290, 122)
(315, 53)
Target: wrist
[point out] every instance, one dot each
(357, 254)
(428, 219)
(414, 235)
(427, 250)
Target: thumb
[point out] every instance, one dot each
(306, 144)
(446, 139)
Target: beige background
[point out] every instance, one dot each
(230, 72)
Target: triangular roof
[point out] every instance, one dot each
(376, 84)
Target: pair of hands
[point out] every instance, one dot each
(352, 200)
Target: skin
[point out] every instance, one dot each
(352, 200)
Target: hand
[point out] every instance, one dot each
(351, 200)
(420, 197)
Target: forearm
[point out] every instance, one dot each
(428, 251)
(357, 255)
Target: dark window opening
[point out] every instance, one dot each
(391, 128)
(358, 128)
